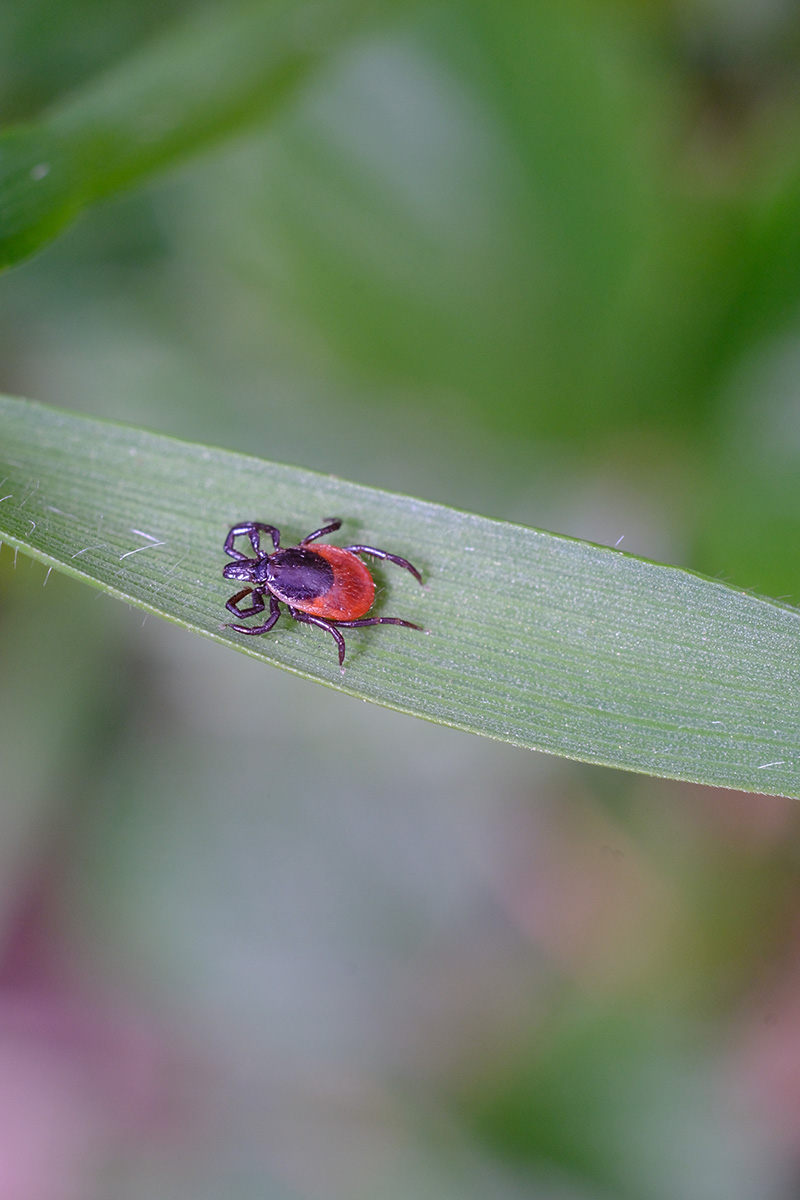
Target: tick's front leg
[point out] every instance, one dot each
(257, 607)
(252, 530)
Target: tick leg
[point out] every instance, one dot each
(379, 621)
(257, 606)
(335, 524)
(394, 558)
(253, 530)
(305, 619)
(274, 613)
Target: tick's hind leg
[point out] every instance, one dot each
(375, 621)
(257, 606)
(305, 619)
(393, 558)
(380, 621)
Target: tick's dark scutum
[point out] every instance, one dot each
(299, 574)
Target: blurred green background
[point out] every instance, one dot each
(538, 260)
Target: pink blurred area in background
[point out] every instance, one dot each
(766, 1056)
(584, 887)
(742, 819)
(75, 1081)
(581, 889)
(79, 1076)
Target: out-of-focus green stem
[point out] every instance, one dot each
(205, 78)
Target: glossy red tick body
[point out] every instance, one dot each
(324, 585)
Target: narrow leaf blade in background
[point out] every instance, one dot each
(215, 72)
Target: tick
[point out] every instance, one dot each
(324, 585)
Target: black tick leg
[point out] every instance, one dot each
(379, 621)
(305, 619)
(335, 524)
(274, 612)
(393, 558)
(257, 606)
(253, 530)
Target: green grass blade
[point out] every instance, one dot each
(208, 76)
(539, 640)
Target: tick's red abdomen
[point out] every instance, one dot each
(353, 588)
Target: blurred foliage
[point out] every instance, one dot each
(49, 49)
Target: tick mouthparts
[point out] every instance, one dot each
(238, 570)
